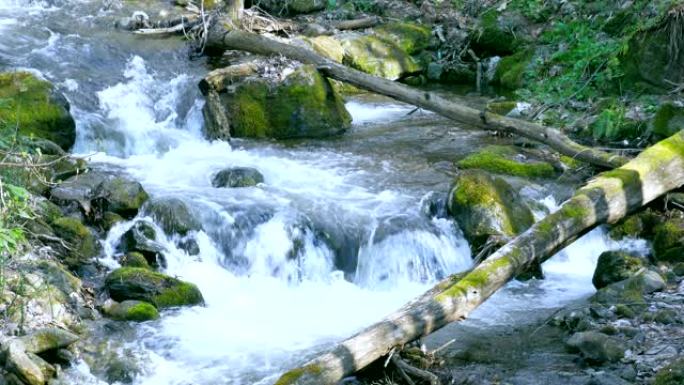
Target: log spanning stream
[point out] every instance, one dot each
(351, 210)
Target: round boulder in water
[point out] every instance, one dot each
(485, 206)
(173, 215)
(134, 283)
(237, 177)
(614, 266)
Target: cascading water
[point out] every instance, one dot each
(334, 240)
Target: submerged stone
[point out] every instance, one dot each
(132, 283)
(237, 177)
(37, 110)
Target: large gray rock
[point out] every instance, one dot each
(46, 339)
(97, 192)
(173, 215)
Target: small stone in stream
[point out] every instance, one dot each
(237, 177)
(596, 348)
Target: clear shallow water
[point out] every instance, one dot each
(350, 209)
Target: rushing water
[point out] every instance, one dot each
(351, 209)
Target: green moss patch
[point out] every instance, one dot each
(485, 206)
(304, 105)
(32, 106)
(502, 160)
(134, 283)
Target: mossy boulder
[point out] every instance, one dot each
(327, 46)
(110, 219)
(638, 225)
(668, 120)
(412, 38)
(510, 71)
(672, 374)
(499, 34)
(83, 243)
(134, 259)
(133, 283)
(668, 243)
(124, 196)
(615, 266)
(303, 105)
(629, 293)
(387, 52)
(507, 160)
(131, 310)
(99, 192)
(36, 109)
(647, 63)
(141, 238)
(173, 215)
(237, 177)
(486, 206)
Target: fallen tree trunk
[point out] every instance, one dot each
(220, 39)
(366, 22)
(607, 198)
